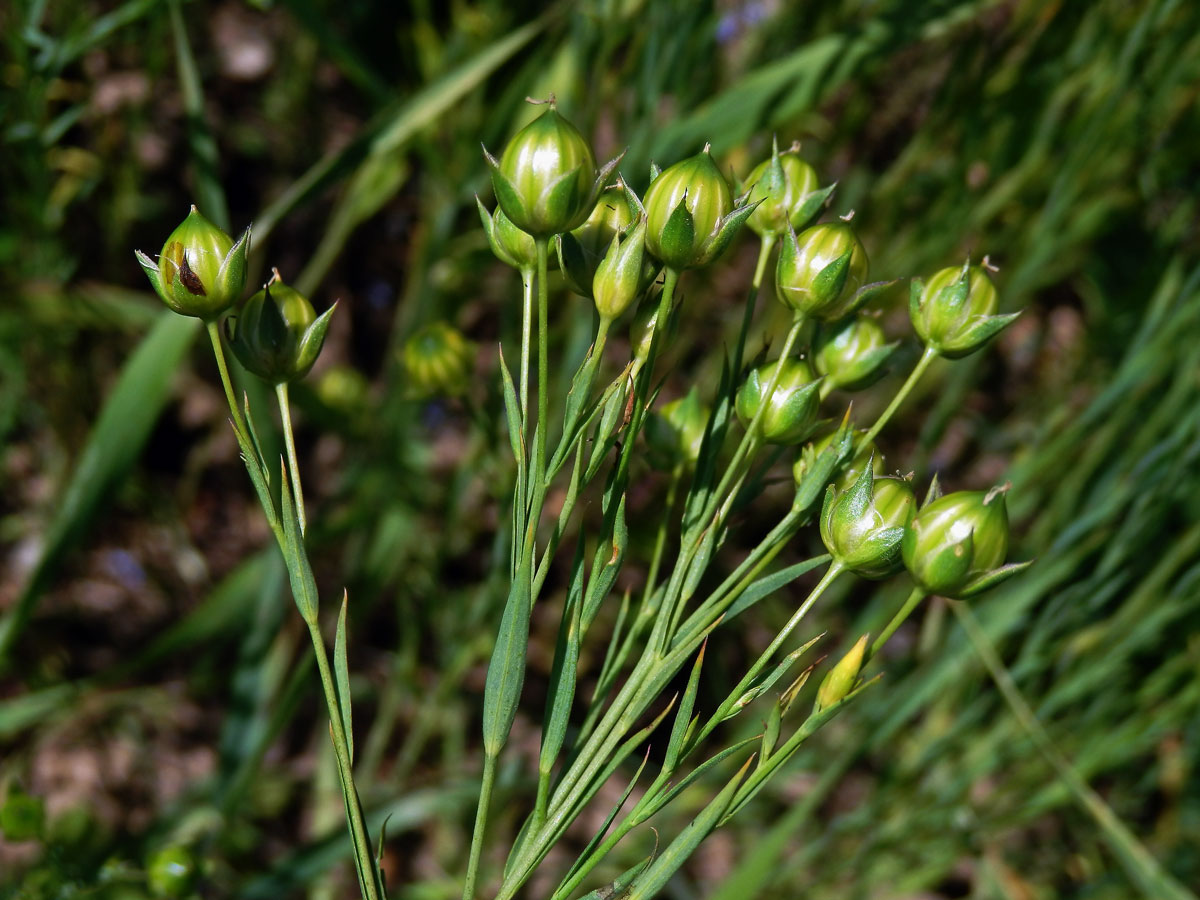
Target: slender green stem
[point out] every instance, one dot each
(760, 268)
(285, 415)
(765, 657)
(1140, 865)
(526, 339)
(543, 385)
(922, 364)
(481, 816)
(914, 598)
(214, 335)
(748, 439)
(363, 858)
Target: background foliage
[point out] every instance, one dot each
(155, 690)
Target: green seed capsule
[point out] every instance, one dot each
(509, 244)
(862, 527)
(439, 360)
(580, 251)
(779, 185)
(957, 543)
(620, 277)
(201, 271)
(840, 680)
(278, 335)
(954, 312)
(692, 214)
(791, 409)
(821, 270)
(171, 872)
(851, 353)
(849, 472)
(675, 432)
(546, 180)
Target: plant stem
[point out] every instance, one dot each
(285, 415)
(914, 598)
(481, 815)
(922, 364)
(1139, 864)
(363, 858)
(760, 268)
(827, 579)
(214, 335)
(539, 465)
(526, 337)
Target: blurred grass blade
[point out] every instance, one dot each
(114, 445)
(615, 890)
(394, 128)
(1139, 863)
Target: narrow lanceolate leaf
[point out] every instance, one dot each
(692, 777)
(768, 680)
(811, 206)
(658, 873)
(606, 566)
(512, 414)
(769, 584)
(683, 715)
(506, 670)
(598, 837)
(304, 586)
(563, 673)
(616, 890)
(341, 671)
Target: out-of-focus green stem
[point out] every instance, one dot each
(760, 268)
(914, 376)
(285, 416)
(914, 599)
(1139, 864)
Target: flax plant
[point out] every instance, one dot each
(869, 522)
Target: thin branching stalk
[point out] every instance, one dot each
(909, 383)
(914, 599)
(285, 416)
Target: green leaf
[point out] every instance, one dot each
(112, 447)
(304, 586)
(602, 831)
(615, 890)
(683, 716)
(769, 584)
(563, 673)
(341, 671)
(658, 873)
(506, 670)
(811, 207)
(608, 559)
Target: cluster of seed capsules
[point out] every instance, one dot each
(201, 272)
(610, 246)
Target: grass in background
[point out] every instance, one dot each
(1060, 139)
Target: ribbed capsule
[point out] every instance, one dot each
(692, 214)
(546, 180)
(954, 311)
(277, 334)
(863, 526)
(821, 270)
(791, 409)
(438, 360)
(957, 544)
(851, 353)
(201, 270)
(780, 186)
(675, 431)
